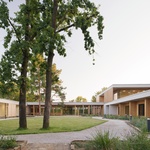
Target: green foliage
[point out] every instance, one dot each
(80, 99)
(110, 116)
(139, 122)
(136, 141)
(97, 93)
(93, 99)
(102, 141)
(4, 14)
(7, 142)
(41, 27)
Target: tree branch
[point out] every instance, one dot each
(14, 29)
(65, 28)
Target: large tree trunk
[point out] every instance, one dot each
(23, 84)
(49, 71)
(22, 98)
(48, 91)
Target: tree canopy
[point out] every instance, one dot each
(93, 99)
(80, 99)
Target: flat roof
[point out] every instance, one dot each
(133, 97)
(119, 86)
(7, 101)
(70, 103)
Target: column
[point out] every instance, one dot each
(147, 106)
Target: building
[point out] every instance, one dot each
(8, 108)
(67, 108)
(118, 99)
(126, 99)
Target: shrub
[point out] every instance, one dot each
(7, 142)
(102, 141)
(136, 141)
(110, 116)
(139, 122)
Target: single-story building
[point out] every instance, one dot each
(8, 108)
(67, 108)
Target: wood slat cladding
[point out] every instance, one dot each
(108, 96)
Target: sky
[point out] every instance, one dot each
(122, 56)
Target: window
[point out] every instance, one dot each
(127, 110)
(141, 110)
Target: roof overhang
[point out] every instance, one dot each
(6, 101)
(125, 86)
(134, 97)
(71, 103)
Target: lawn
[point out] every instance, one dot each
(57, 124)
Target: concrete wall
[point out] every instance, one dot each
(12, 110)
(106, 109)
(113, 109)
(9, 110)
(2, 110)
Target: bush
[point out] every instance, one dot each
(139, 122)
(136, 141)
(126, 117)
(102, 141)
(7, 142)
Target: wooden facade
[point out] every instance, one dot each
(126, 99)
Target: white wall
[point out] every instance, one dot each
(106, 109)
(113, 110)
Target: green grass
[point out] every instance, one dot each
(57, 124)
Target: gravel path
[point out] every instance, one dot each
(116, 128)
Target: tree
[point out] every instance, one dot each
(19, 27)
(80, 99)
(37, 83)
(41, 27)
(59, 18)
(97, 93)
(94, 98)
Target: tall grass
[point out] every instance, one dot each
(139, 122)
(136, 141)
(102, 141)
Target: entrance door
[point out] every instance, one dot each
(127, 110)
(141, 110)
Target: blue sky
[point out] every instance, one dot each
(122, 56)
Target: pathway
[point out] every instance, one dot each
(52, 141)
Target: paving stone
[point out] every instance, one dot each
(36, 146)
